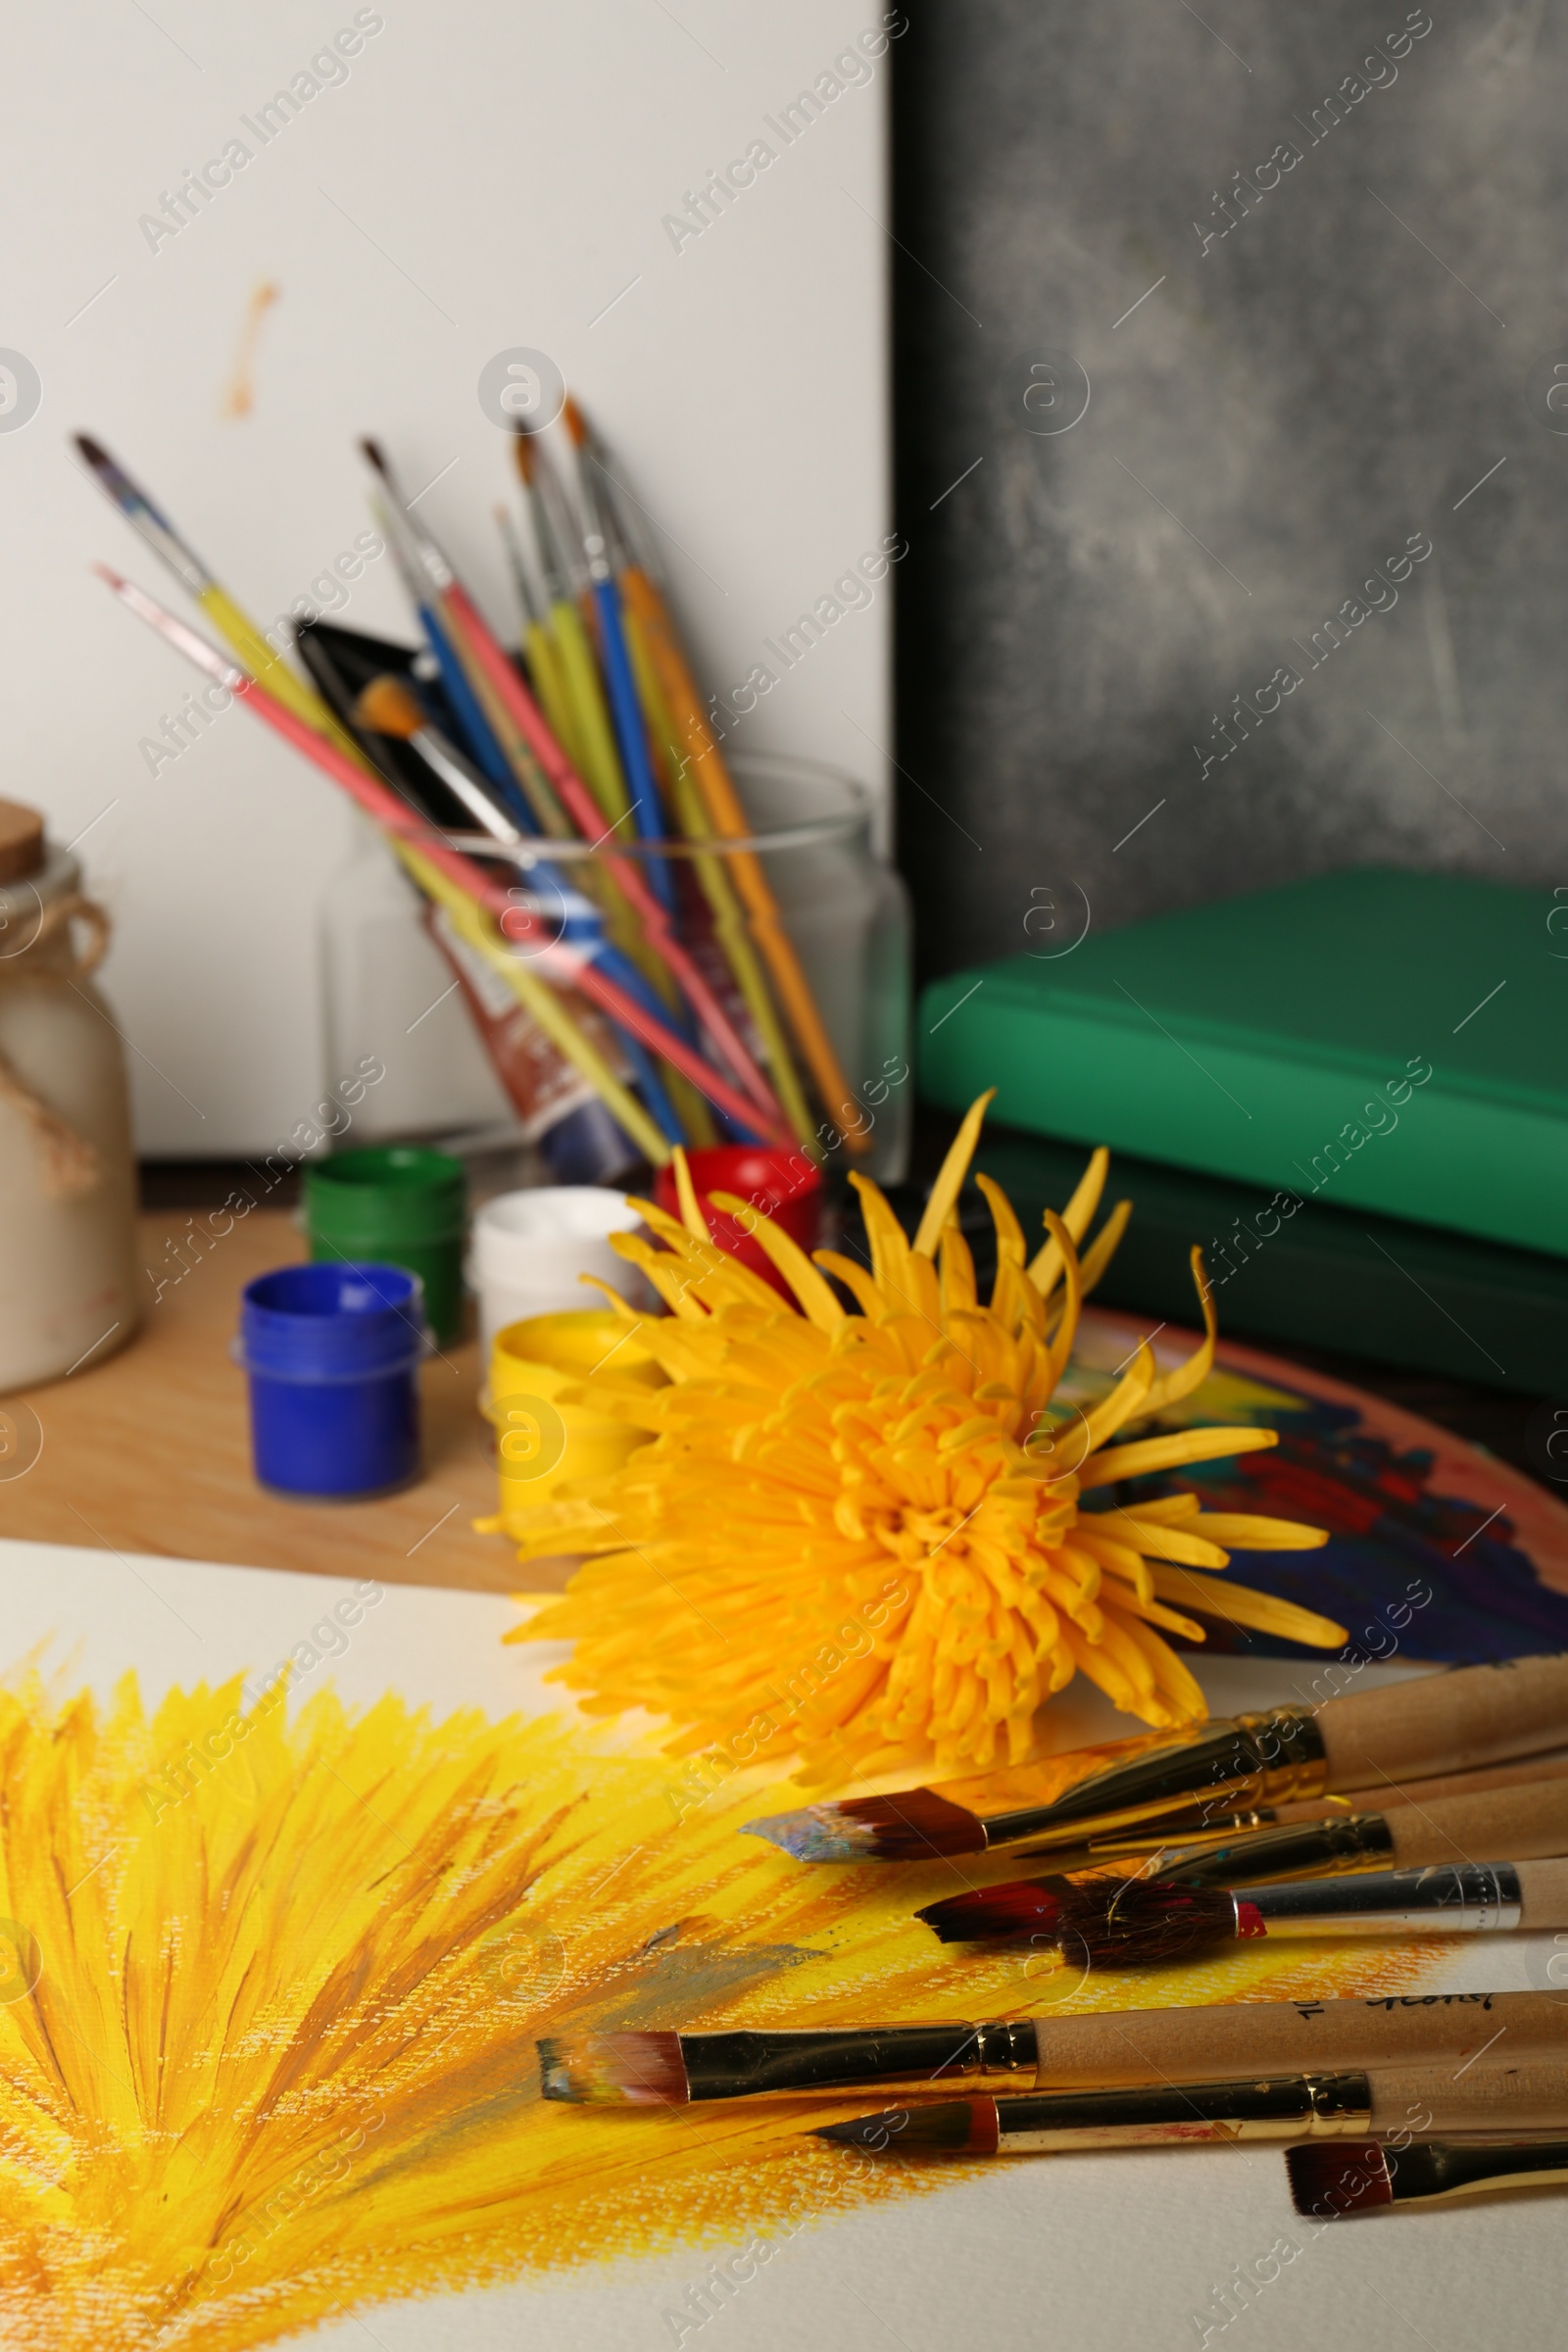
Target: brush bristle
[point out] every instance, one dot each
(1097, 1923)
(387, 708)
(575, 422)
(1007, 1914)
(953, 2128)
(523, 453)
(613, 2070)
(916, 1826)
(1339, 2178)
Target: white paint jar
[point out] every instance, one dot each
(529, 1248)
(67, 1175)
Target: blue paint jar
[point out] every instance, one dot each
(332, 1352)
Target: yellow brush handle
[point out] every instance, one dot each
(729, 922)
(600, 763)
(540, 1001)
(270, 670)
(251, 648)
(727, 816)
(550, 686)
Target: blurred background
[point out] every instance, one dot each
(1298, 302)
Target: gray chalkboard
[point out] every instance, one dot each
(1309, 267)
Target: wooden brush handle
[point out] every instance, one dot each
(1542, 1894)
(1116, 2046)
(1489, 2097)
(1551, 1767)
(1445, 1722)
(1510, 1824)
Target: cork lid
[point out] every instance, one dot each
(20, 841)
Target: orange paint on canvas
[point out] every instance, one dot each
(267, 2047)
(239, 396)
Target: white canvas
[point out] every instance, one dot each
(1105, 2252)
(482, 178)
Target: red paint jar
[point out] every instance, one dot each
(783, 1185)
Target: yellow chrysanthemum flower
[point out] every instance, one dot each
(864, 1536)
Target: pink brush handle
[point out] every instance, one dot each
(517, 923)
(584, 812)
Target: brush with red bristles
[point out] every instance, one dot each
(1340, 2106)
(1331, 2183)
(1142, 1923)
(1527, 1822)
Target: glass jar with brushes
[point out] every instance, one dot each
(801, 933)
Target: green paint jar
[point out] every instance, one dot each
(398, 1204)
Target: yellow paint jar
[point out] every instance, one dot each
(545, 1433)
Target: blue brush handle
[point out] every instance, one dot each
(582, 926)
(626, 712)
(478, 736)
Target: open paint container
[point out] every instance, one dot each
(779, 1184)
(400, 1205)
(547, 1431)
(333, 1354)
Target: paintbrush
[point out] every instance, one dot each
(1091, 2052)
(624, 707)
(545, 504)
(1310, 1836)
(1322, 2106)
(538, 646)
(524, 739)
(521, 796)
(1146, 1922)
(726, 817)
(385, 706)
(159, 533)
(1329, 2183)
(1527, 1823)
(520, 924)
(1444, 1722)
(713, 878)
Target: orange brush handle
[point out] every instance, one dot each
(728, 820)
(583, 810)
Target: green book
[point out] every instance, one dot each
(1370, 1040)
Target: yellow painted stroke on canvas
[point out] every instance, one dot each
(267, 2054)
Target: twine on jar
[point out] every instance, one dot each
(69, 1166)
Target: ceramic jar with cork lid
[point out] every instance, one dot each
(68, 1178)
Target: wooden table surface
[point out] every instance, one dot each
(149, 1450)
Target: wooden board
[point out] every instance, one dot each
(149, 1452)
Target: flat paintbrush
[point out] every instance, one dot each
(1331, 2183)
(1525, 1823)
(1318, 2106)
(1441, 1723)
(1089, 2053)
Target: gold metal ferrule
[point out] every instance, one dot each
(1286, 1849)
(1227, 1766)
(1277, 2108)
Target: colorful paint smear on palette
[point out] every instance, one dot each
(1437, 1552)
(267, 2047)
